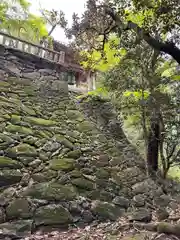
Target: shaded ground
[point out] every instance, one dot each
(107, 231)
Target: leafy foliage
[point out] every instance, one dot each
(18, 21)
(156, 22)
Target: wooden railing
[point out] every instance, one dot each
(38, 50)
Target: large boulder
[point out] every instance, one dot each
(9, 177)
(51, 192)
(65, 164)
(6, 162)
(19, 208)
(106, 211)
(52, 215)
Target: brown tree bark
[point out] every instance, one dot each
(153, 146)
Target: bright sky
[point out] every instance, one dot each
(67, 6)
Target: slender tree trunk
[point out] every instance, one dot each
(153, 145)
(52, 30)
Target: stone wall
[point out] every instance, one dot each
(26, 66)
(57, 165)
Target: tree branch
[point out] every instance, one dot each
(167, 47)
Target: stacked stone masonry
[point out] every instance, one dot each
(58, 166)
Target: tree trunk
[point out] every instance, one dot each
(153, 146)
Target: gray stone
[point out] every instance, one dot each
(121, 202)
(35, 163)
(138, 200)
(52, 215)
(19, 208)
(31, 75)
(162, 201)
(51, 146)
(162, 214)
(9, 177)
(144, 187)
(105, 210)
(51, 192)
(16, 229)
(87, 216)
(141, 215)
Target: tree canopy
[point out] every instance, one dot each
(155, 22)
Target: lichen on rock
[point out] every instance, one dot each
(51, 192)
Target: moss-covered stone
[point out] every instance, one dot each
(4, 84)
(52, 215)
(30, 140)
(102, 173)
(44, 176)
(28, 110)
(6, 116)
(75, 173)
(42, 134)
(168, 228)
(75, 115)
(22, 149)
(19, 208)
(17, 228)
(5, 141)
(40, 121)
(15, 119)
(64, 141)
(83, 183)
(6, 162)
(85, 126)
(106, 211)
(19, 129)
(9, 177)
(66, 164)
(51, 192)
(74, 154)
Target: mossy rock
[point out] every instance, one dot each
(102, 174)
(30, 140)
(40, 121)
(6, 162)
(83, 183)
(106, 211)
(51, 192)
(6, 116)
(17, 228)
(19, 129)
(74, 115)
(28, 110)
(19, 208)
(42, 134)
(5, 139)
(22, 149)
(52, 215)
(19, 81)
(85, 127)
(15, 119)
(9, 177)
(74, 154)
(141, 215)
(168, 228)
(44, 176)
(75, 173)
(30, 91)
(4, 84)
(64, 141)
(66, 164)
